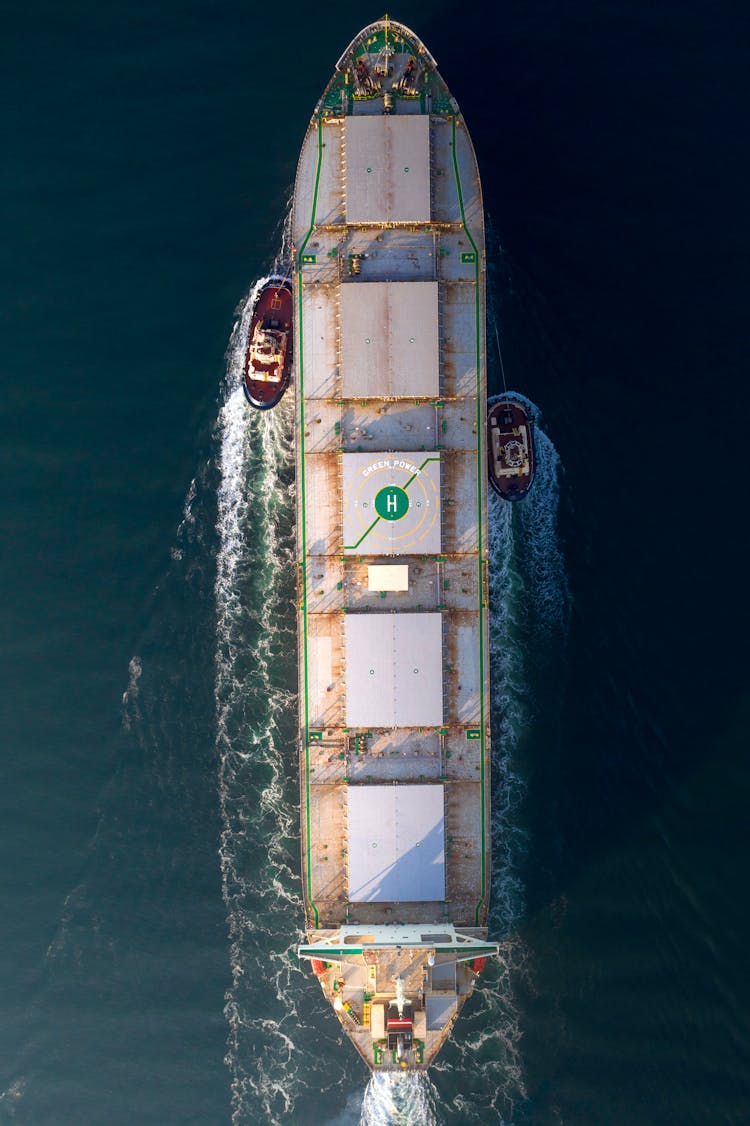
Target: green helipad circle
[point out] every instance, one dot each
(391, 503)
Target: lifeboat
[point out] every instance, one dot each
(510, 448)
(268, 360)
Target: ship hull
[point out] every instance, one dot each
(394, 725)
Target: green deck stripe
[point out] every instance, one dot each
(301, 377)
(354, 546)
(482, 770)
(406, 486)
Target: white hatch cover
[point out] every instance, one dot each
(388, 168)
(385, 577)
(394, 670)
(396, 844)
(389, 339)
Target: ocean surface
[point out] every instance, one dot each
(150, 899)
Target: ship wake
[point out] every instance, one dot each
(255, 703)
(279, 1050)
(287, 1060)
(529, 615)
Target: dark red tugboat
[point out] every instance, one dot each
(510, 448)
(268, 360)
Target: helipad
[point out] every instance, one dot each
(392, 503)
(394, 670)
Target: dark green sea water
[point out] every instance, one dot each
(149, 889)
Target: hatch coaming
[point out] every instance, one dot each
(419, 432)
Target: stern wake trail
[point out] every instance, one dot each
(543, 560)
(254, 697)
(271, 1054)
(529, 605)
(399, 1100)
(530, 612)
(271, 1045)
(529, 616)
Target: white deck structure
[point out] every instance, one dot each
(389, 339)
(398, 852)
(387, 169)
(394, 670)
(390, 371)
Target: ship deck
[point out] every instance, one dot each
(333, 578)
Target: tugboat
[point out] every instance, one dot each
(268, 360)
(510, 448)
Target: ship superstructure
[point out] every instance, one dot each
(389, 291)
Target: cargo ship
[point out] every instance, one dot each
(391, 461)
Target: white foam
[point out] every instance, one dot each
(399, 1100)
(275, 1013)
(529, 598)
(255, 635)
(131, 712)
